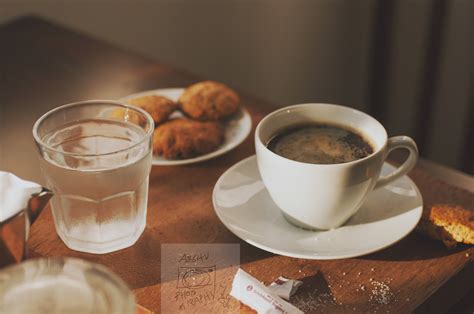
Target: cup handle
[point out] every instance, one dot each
(392, 144)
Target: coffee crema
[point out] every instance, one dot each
(319, 143)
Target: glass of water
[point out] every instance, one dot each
(96, 158)
(63, 285)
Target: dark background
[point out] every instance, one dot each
(409, 62)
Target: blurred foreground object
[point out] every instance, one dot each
(21, 202)
(63, 285)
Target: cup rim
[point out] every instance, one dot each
(38, 122)
(350, 163)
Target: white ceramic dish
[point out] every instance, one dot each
(244, 206)
(237, 128)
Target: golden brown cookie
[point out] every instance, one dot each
(209, 101)
(159, 107)
(448, 223)
(183, 138)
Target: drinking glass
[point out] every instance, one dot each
(96, 158)
(63, 285)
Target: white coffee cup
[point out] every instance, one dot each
(324, 196)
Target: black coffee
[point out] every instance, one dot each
(319, 144)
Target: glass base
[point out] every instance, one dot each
(103, 247)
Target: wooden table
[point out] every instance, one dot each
(44, 65)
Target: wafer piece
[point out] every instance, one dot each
(449, 223)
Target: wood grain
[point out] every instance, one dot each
(42, 56)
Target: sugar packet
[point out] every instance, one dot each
(284, 287)
(253, 293)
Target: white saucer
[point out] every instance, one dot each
(244, 206)
(236, 128)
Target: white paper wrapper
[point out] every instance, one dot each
(284, 287)
(251, 292)
(14, 194)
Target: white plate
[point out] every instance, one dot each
(236, 129)
(244, 206)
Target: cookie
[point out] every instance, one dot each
(159, 107)
(448, 223)
(183, 138)
(209, 101)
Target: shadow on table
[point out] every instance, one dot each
(414, 247)
(314, 295)
(147, 250)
